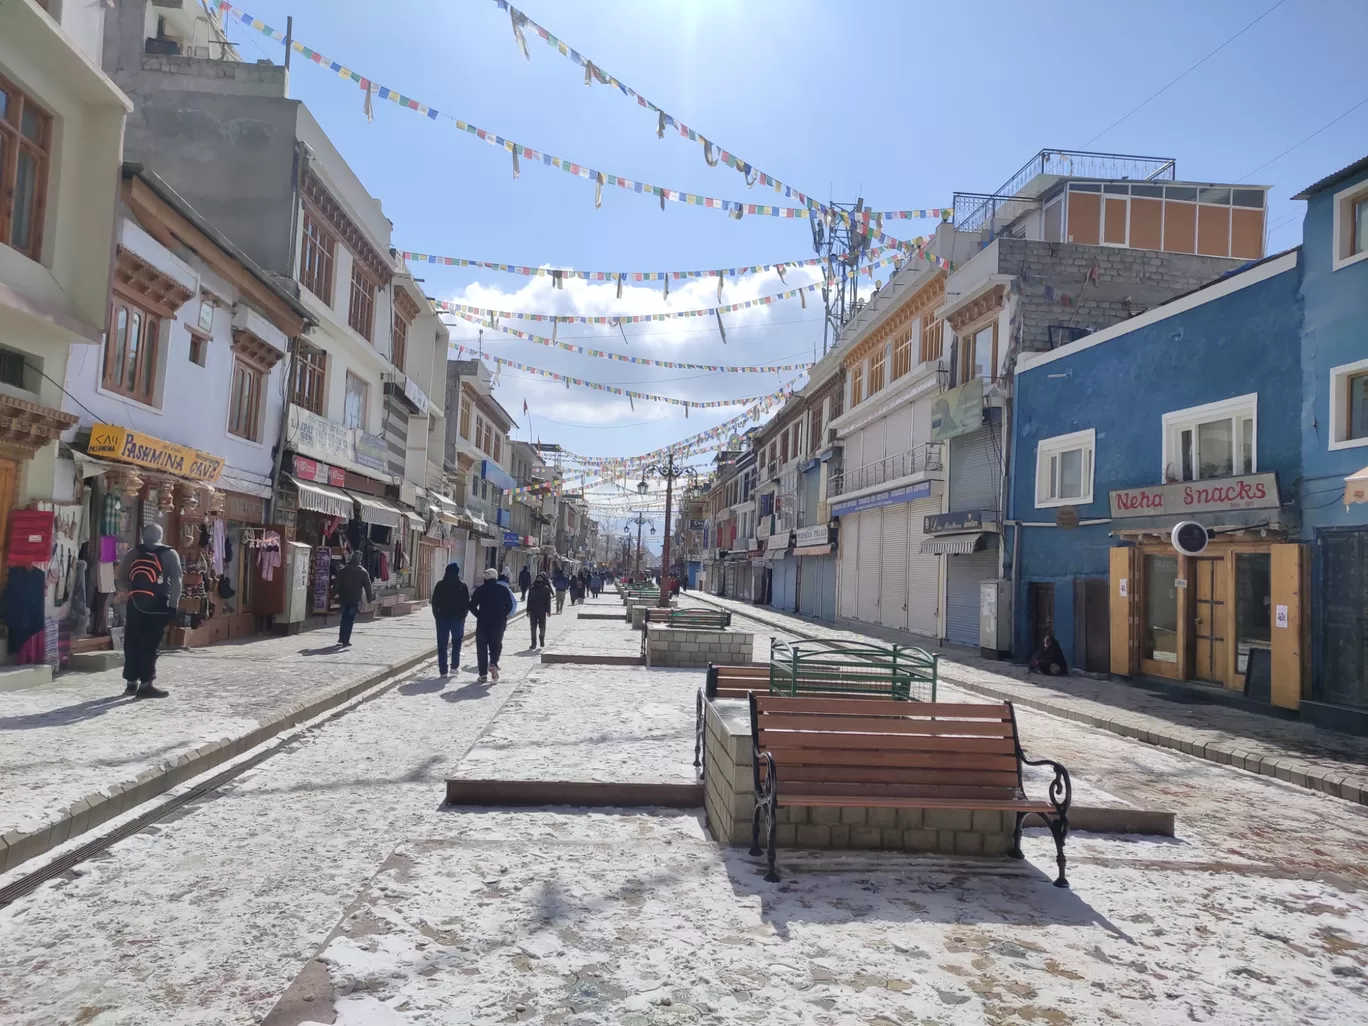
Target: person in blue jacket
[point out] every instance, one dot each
(492, 603)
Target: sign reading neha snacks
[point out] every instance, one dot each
(1257, 491)
(864, 502)
(141, 450)
(952, 523)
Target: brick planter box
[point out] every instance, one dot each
(673, 646)
(634, 615)
(729, 804)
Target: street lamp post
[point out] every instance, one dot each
(669, 470)
(640, 521)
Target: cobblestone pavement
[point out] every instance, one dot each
(1303, 755)
(78, 735)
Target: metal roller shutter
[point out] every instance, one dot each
(783, 584)
(809, 583)
(893, 562)
(870, 564)
(923, 573)
(848, 573)
(963, 574)
(898, 437)
(827, 589)
(872, 444)
(975, 470)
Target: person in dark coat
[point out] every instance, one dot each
(492, 602)
(1049, 660)
(562, 584)
(351, 584)
(151, 576)
(538, 608)
(450, 606)
(524, 582)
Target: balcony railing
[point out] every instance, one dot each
(915, 461)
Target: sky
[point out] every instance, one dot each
(898, 102)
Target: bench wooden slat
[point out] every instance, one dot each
(832, 707)
(855, 757)
(792, 773)
(952, 790)
(987, 805)
(889, 725)
(886, 744)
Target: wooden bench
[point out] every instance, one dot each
(689, 619)
(901, 755)
(849, 667)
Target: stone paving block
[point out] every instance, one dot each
(945, 841)
(949, 819)
(854, 815)
(813, 836)
(866, 837)
(968, 843)
(785, 835)
(909, 819)
(825, 814)
(840, 836)
(892, 838)
(883, 817)
(919, 840)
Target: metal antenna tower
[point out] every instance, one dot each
(841, 247)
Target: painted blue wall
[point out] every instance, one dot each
(1243, 342)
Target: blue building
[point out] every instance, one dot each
(1334, 435)
(1189, 412)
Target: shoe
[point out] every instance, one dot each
(494, 673)
(131, 687)
(344, 644)
(149, 690)
(482, 679)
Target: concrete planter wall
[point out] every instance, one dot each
(673, 646)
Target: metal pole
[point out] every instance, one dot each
(665, 545)
(640, 521)
(289, 49)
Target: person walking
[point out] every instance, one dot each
(151, 575)
(562, 585)
(492, 602)
(352, 583)
(450, 606)
(595, 584)
(538, 608)
(524, 581)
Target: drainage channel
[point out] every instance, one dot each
(64, 863)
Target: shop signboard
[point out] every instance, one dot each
(321, 438)
(958, 411)
(817, 534)
(245, 509)
(322, 579)
(1254, 491)
(952, 523)
(696, 525)
(371, 450)
(118, 443)
(311, 470)
(416, 396)
(911, 493)
(510, 539)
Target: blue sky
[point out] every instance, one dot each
(899, 102)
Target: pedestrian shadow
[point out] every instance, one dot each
(472, 690)
(66, 715)
(325, 650)
(422, 687)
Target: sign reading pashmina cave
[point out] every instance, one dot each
(119, 443)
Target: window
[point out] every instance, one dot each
(25, 149)
(357, 398)
(978, 357)
(1064, 469)
(773, 456)
(498, 447)
(1350, 228)
(465, 417)
(783, 448)
(1212, 441)
(1358, 228)
(244, 401)
(310, 368)
(932, 333)
(902, 354)
(1349, 405)
(856, 384)
(361, 310)
(399, 352)
(815, 432)
(316, 265)
(876, 371)
(199, 349)
(130, 366)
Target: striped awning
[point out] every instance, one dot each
(377, 511)
(955, 544)
(416, 523)
(322, 499)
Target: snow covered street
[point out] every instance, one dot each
(329, 885)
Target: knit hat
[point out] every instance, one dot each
(491, 574)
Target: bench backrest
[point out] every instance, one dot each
(702, 618)
(852, 667)
(889, 748)
(735, 681)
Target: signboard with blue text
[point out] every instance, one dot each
(890, 498)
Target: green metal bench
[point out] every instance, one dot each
(852, 668)
(690, 619)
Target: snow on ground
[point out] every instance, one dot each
(604, 923)
(78, 735)
(593, 723)
(590, 637)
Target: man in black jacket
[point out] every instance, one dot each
(524, 582)
(450, 606)
(351, 583)
(491, 602)
(538, 608)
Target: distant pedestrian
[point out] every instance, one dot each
(352, 583)
(562, 584)
(595, 584)
(450, 607)
(503, 579)
(524, 581)
(492, 603)
(151, 575)
(538, 607)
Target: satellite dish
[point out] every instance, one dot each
(1189, 538)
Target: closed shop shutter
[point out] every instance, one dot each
(898, 438)
(975, 470)
(923, 573)
(871, 567)
(809, 507)
(963, 574)
(872, 445)
(784, 583)
(827, 589)
(809, 582)
(852, 451)
(848, 571)
(893, 559)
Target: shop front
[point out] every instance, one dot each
(783, 572)
(1220, 600)
(886, 576)
(969, 542)
(815, 550)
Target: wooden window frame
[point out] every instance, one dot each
(463, 420)
(856, 377)
(878, 371)
(309, 377)
(399, 346)
(932, 339)
(362, 422)
(144, 389)
(318, 256)
(969, 352)
(902, 354)
(199, 348)
(247, 371)
(361, 306)
(12, 143)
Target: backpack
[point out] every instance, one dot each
(147, 588)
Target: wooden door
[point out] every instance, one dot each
(1344, 624)
(1209, 615)
(1123, 606)
(1092, 629)
(1288, 629)
(1041, 599)
(9, 487)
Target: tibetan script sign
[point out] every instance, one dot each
(1257, 491)
(117, 443)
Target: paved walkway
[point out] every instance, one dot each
(1298, 753)
(76, 752)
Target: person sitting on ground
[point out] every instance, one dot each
(1049, 660)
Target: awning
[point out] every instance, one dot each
(322, 499)
(812, 550)
(776, 555)
(476, 522)
(377, 511)
(417, 522)
(955, 544)
(1356, 487)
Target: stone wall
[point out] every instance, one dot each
(636, 610)
(674, 646)
(729, 805)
